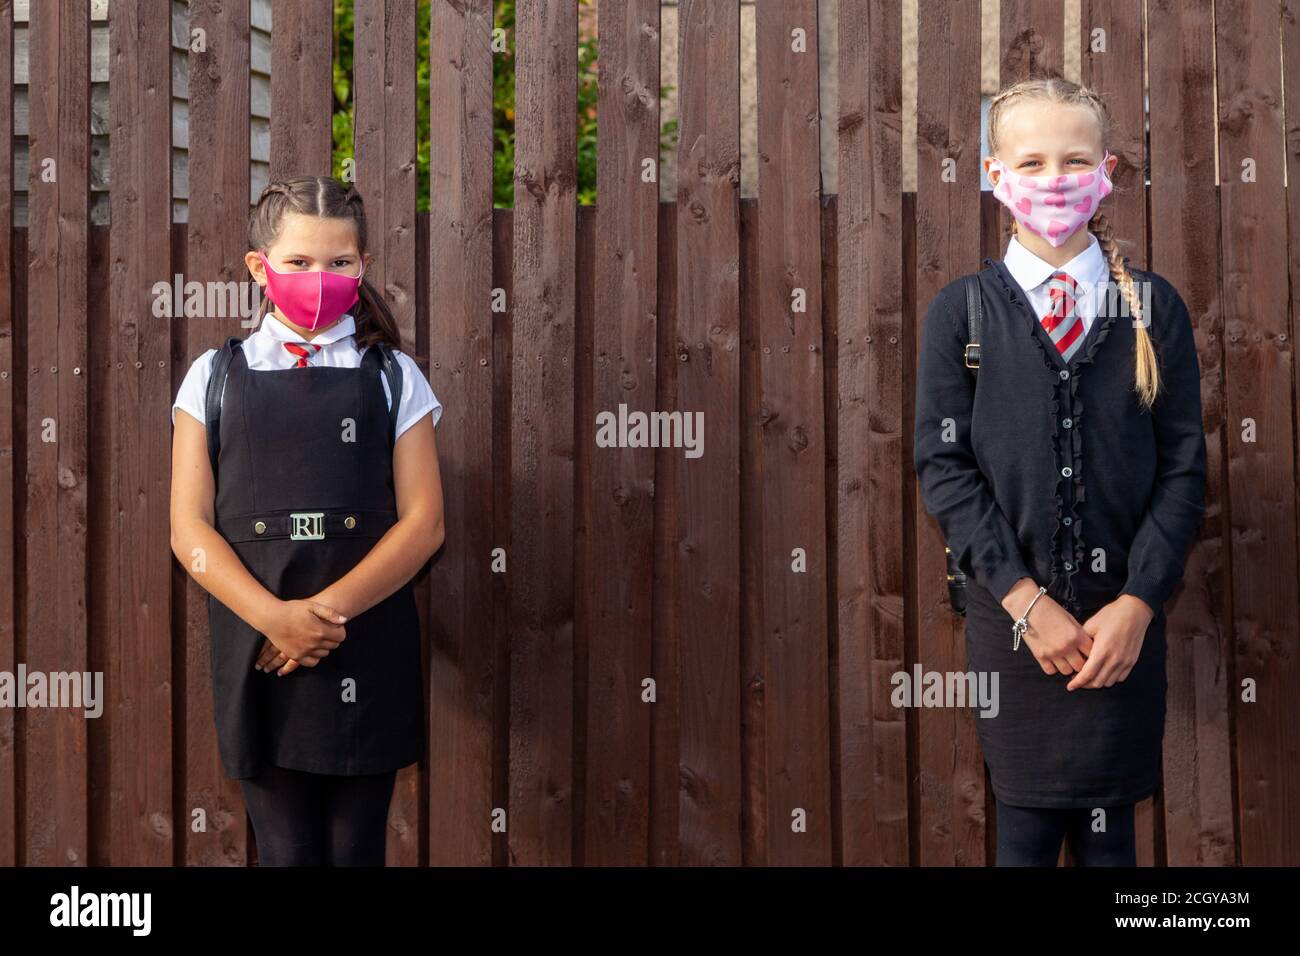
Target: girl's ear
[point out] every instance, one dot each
(255, 267)
(990, 173)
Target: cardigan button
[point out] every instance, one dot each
(1065, 373)
(1067, 471)
(259, 527)
(1068, 423)
(1069, 566)
(1067, 520)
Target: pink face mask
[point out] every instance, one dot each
(1053, 207)
(311, 299)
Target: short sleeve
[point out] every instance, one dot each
(418, 399)
(194, 388)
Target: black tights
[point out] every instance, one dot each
(1031, 836)
(315, 819)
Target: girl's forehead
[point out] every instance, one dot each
(1043, 125)
(324, 232)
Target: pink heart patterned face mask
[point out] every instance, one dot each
(314, 298)
(1053, 207)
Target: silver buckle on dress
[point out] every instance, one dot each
(307, 525)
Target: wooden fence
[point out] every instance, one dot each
(770, 738)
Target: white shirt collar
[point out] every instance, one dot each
(275, 329)
(1087, 269)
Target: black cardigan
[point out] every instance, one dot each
(1056, 472)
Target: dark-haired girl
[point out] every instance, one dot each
(305, 497)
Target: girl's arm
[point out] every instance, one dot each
(198, 546)
(953, 488)
(1177, 504)
(411, 541)
(302, 629)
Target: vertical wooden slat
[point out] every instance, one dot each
(542, 439)
(883, 330)
(665, 780)
(8, 567)
(384, 127)
(138, 580)
(1030, 44)
(789, 437)
(461, 612)
(617, 562)
(1114, 69)
(1032, 38)
(950, 763)
(1111, 63)
(873, 747)
(302, 88)
(55, 758)
(1291, 98)
(1197, 787)
(217, 241)
(1258, 374)
(705, 573)
(496, 627)
(384, 124)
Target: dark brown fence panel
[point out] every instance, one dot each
(384, 128)
(1258, 375)
(950, 767)
(788, 436)
(465, 682)
(705, 581)
(869, 644)
(136, 368)
(11, 267)
(617, 559)
(1198, 782)
(302, 87)
(57, 791)
(542, 440)
(217, 241)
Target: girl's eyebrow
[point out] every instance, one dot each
(303, 255)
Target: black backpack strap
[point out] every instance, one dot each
(212, 401)
(391, 368)
(974, 314)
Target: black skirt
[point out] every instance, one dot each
(1049, 747)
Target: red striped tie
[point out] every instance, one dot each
(301, 352)
(1064, 323)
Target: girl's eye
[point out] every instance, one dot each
(342, 263)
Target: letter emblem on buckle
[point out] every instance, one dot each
(307, 525)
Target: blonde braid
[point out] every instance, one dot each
(1147, 371)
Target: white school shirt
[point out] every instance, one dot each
(1088, 269)
(264, 351)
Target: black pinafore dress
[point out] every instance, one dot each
(304, 491)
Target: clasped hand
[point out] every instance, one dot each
(299, 633)
(1100, 652)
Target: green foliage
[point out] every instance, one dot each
(503, 104)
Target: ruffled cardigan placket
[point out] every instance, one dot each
(1070, 489)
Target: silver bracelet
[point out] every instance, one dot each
(1019, 628)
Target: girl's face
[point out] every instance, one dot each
(309, 243)
(1041, 138)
